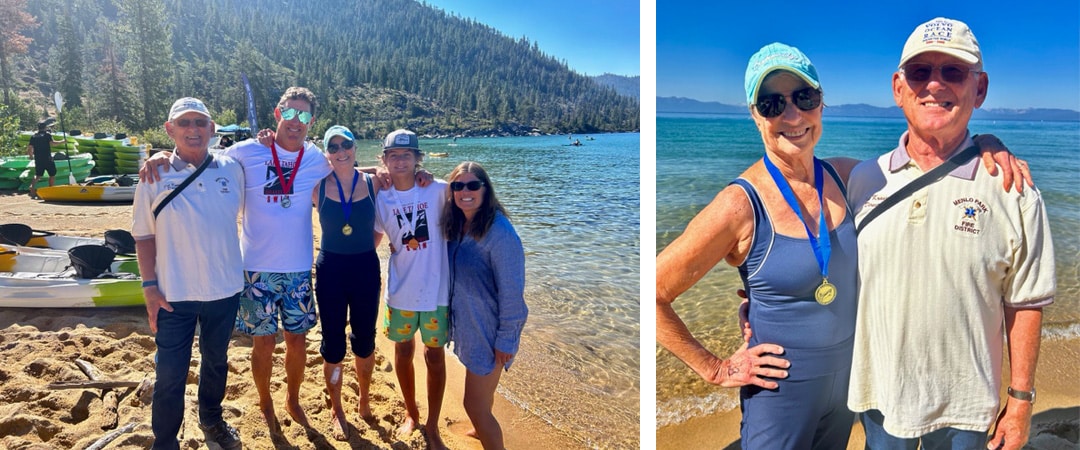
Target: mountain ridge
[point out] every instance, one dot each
(375, 66)
(688, 105)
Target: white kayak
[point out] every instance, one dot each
(45, 239)
(63, 290)
(14, 258)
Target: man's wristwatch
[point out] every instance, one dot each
(1022, 395)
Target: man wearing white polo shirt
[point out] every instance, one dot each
(189, 258)
(949, 274)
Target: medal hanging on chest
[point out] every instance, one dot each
(412, 243)
(826, 292)
(286, 182)
(346, 205)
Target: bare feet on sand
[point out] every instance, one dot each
(296, 412)
(406, 428)
(431, 432)
(364, 411)
(339, 426)
(472, 433)
(270, 418)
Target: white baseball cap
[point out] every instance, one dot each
(948, 36)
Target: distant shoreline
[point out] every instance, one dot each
(828, 115)
(682, 105)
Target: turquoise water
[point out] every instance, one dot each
(577, 211)
(696, 156)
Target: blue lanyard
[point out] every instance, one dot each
(346, 205)
(822, 247)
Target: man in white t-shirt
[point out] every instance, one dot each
(189, 258)
(932, 326)
(277, 241)
(417, 284)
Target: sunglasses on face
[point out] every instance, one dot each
(290, 113)
(334, 148)
(184, 123)
(773, 105)
(473, 185)
(950, 73)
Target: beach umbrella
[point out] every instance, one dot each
(59, 100)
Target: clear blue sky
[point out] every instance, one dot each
(1031, 49)
(593, 36)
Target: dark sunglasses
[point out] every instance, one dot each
(473, 185)
(334, 148)
(290, 113)
(184, 123)
(773, 105)
(950, 73)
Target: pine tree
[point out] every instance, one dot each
(69, 64)
(13, 21)
(147, 42)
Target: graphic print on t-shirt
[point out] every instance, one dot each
(272, 188)
(411, 240)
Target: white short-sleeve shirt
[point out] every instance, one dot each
(198, 250)
(276, 238)
(418, 274)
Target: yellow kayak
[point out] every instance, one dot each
(87, 193)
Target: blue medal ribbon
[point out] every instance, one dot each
(821, 244)
(346, 206)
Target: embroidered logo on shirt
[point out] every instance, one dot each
(224, 184)
(970, 212)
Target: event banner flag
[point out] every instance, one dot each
(252, 123)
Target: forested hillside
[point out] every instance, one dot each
(628, 86)
(376, 65)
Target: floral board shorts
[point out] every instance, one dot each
(399, 325)
(268, 295)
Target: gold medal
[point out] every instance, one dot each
(825, 293)
(346, 230)
(285, 202)
(413, 244)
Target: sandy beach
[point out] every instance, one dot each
(40, 346)
(1055, 424)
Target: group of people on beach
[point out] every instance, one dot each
(889, 288)
(456, 271)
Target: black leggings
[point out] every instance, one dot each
(347, 286)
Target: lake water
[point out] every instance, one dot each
(577, 212)
(698, 155)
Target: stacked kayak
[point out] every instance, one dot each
(66, 271)
(11, 168)
(23, 249)
(17, 172)
(129, 158)
(114, 156)
(79, 164)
